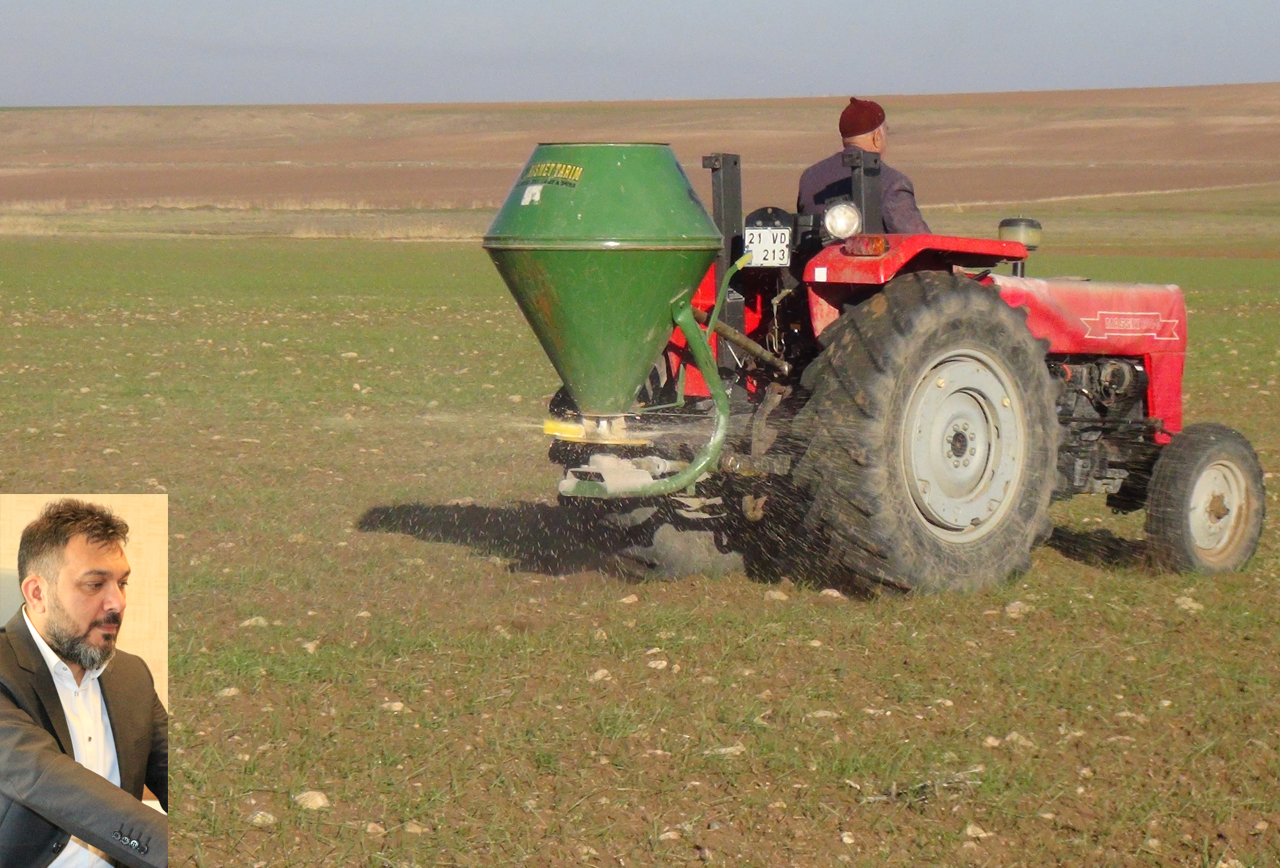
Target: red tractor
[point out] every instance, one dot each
(898, 414)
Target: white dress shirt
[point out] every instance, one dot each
(91, 736)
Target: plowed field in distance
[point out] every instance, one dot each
(438, 171)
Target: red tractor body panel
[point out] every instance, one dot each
(838, 266)
(1112, 319)
(1076, 317)
(704, 298)
(835, 265)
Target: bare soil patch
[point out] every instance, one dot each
(958, 148)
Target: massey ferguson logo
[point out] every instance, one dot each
(1114, 324)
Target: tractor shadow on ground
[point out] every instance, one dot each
(548, 539)
(535, 537)
(1099, 548)
(551, 540)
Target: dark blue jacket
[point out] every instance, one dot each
(830, 179)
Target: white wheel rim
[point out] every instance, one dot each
(963, 444)
(1217, 508)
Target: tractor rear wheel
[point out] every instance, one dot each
(930, 437)
(1205, 502)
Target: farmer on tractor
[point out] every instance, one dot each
(898, 414)
(862, 128)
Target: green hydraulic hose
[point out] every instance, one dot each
(723, 290)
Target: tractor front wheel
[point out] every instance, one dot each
(931, 437)
(1205, 501)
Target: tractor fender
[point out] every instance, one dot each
(852, 268)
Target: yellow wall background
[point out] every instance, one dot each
(146, 618)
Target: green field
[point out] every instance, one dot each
(282, 391)
(1236, 223)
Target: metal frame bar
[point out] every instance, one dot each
(726, 206)
(865, 168)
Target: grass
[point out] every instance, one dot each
(1105, 726)
(1240, 223)
(244, 220)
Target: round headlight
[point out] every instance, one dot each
(842, 220)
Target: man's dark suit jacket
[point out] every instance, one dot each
(46, 796)
(830, 179)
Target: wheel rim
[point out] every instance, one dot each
(964, 444)
(1218, 510)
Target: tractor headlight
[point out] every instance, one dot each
(842, 220)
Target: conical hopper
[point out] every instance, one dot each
(597, 242)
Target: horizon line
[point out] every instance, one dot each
(733, 99)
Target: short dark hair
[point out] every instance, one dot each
(45, 540)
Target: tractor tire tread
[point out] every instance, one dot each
(846, 425)
(1169, 492)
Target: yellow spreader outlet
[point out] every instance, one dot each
(562, 430)
(577, 432)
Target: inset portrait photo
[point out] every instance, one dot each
(84, 748)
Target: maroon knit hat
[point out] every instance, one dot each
(860, 116)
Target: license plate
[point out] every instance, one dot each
(769, 248)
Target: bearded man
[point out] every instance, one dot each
(81, 727)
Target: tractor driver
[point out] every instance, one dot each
(862, 127)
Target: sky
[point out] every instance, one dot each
(162, 52)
